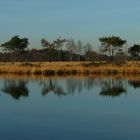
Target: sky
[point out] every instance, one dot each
(85, 20)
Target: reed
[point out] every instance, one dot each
(69, 68)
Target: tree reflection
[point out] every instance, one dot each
(71, 85)
(52, 87)
(112, 88)
(74, 85)
(15, 88)
(135, 83)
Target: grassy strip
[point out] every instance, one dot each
(67, 68)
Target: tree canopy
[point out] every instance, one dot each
(16, 44)
(51, 47)
(56, 44)
(134, 50)
(111, 44)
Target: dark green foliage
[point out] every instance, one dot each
(16, 44)
(134, 50)
(111, 45)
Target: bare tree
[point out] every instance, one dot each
(87, 48)
(71, 47)
(79, 49)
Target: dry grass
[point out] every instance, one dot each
(69, 68)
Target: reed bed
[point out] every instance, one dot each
(69, 68)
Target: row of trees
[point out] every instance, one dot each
(112, 47)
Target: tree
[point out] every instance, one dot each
(111, 45)
(59, 43)
(56, 44)
(79, 49)
(91, 56)
(134, 51)
(87, 51)
(16, 44)
(71, 47)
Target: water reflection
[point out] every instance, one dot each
(135, 83)
(52, 87)
(75, 85)
(15, 88)
(67, 86)
(87, 108)
(112, 87)
(108, 87)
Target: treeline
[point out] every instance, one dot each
(112, 49)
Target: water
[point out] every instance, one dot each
(69, 109)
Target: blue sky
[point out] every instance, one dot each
(85, 20)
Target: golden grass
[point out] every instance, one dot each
(69, 68)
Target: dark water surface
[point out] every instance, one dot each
(69, 109)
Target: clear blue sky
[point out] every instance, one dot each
(85, 20)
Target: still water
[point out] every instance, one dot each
(69, 109)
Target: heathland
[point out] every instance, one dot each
(70, 68)
(67, 57)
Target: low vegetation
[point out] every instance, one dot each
(69, 68)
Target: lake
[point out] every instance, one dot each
(69, 108)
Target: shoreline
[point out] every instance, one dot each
(68, 68)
